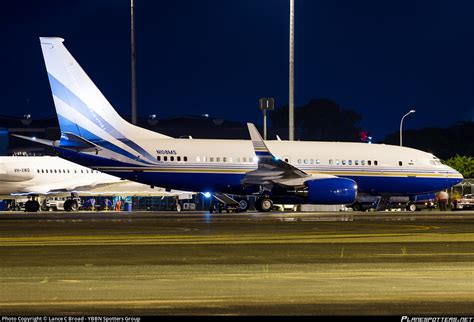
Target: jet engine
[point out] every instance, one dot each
(330, 191)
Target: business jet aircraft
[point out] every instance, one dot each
(94, 134)
(41, 176)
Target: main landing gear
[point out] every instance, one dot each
(32, 205)
(263, 204)
(71, 205)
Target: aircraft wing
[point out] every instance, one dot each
(41, 190)
(120, 188)
(57, 189)
(128, 188)
(272, 170)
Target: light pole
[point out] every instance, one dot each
(291, 110)
(401, 124)
(134, 81)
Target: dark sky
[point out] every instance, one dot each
(381, 58)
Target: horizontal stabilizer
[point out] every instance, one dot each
(74, 142)
(40, 141)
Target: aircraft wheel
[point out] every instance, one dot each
(32, 206)
(73, 206)
(243, 205)
(264, 204)
(411, 207)
(67, 205)
(357, 207)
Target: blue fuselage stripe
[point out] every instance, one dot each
(208, 179)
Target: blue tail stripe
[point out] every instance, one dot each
(93, 138)
(65, 94)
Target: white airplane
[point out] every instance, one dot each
(93, 134)
(41, 176)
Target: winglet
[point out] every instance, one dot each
(257, 141)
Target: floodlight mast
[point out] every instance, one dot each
(133, 62)
(291, 111)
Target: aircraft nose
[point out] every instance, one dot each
(456, 175)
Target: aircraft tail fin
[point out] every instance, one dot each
(81, 107)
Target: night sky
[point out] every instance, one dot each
(381, 58)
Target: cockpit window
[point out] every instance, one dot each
(435, 162)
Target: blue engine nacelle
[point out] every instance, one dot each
(331, 191)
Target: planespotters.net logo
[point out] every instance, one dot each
(437, 319)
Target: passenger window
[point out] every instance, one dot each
(211, 159)
(218, 159)
(356, 162)
(178, 158)
(311, 161)
(330, 161)
(317, 161)
(185, 159)
(158, 158)
(224, 159)
(299, 161)
(343, 162)
(349, 162)
(165, 158)
(362, 162)
(400, 163)
(244, 159)
(305, 161)
(204, 159)
(171, 158)
(198, 159)
(369, 162)
(376, 162)
(230, 159)
(237, 159)
(337, 162)
(37, 170)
